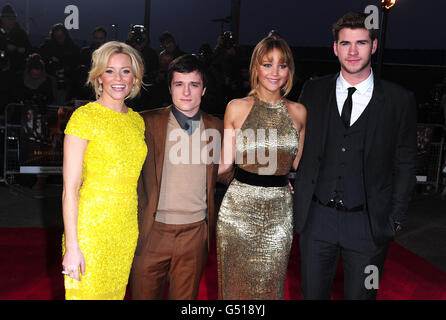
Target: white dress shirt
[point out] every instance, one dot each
(361, 97)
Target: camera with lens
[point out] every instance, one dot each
(137, 35)
(4, 65)
(228, 41)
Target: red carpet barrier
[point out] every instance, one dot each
(30, 268)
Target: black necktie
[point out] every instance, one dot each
(347, 108)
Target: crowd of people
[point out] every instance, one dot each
(55, 72)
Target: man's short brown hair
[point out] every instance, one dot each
(352, 20)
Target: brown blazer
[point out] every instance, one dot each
(149, 183)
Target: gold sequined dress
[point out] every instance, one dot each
(255, 223)
(107, 214)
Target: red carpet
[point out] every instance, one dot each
(31, 264)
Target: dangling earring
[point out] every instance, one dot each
(133, 89)
(100, 87)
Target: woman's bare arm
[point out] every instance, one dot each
(74, 150)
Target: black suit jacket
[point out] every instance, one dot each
(389, 153)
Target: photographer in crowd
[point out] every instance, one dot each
(99, 36)
(139, 39)
(14, 41)
(61, 56)
(169, 45)
(225, 68)
(33, 87)
(159, 90)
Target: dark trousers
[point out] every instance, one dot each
(330, 235)
(176, 253)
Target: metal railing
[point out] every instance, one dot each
(430, 153)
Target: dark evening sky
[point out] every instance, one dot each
(413, 24)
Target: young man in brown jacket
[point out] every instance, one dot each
(176, 189)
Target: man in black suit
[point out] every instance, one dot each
(357, 171)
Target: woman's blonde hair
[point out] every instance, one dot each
(265, 47)
(100, 59)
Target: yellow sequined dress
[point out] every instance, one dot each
(255, 223)
(107, 215)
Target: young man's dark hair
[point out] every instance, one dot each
(352, 20)
(186, 64)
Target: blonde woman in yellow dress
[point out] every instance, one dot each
(255, 222)
(104, 150)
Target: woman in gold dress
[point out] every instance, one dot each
(264, 135)
(104, 150)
